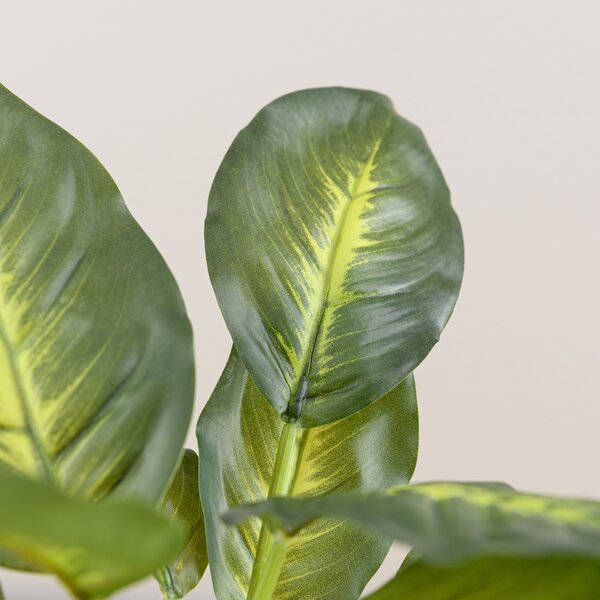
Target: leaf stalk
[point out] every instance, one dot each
(272, 543)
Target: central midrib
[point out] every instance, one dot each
(30, 425)
(356, 191)
(271, 547)
(269, 556)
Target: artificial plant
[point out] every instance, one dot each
(336, 258)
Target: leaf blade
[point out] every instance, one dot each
(328, 223)
(182, 503)
(450, 522)
(95, 549)
(96, 360)
(238, 435)
(496, 579)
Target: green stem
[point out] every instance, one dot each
(272, 544)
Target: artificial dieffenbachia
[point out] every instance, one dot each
(96, 365)
(333, 250)
(239, 434)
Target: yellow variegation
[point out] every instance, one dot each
(182, 504)
(333, 249)
(96, 365)
(239, 435)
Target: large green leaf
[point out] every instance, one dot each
(94, 548)
(496, 579)
(96, 365)
(333, 249)
(182, 502)
(238, 436)
(448, 522)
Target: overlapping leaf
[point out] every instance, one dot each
(94, 548)
(96, 366)
(448, 522)
(182, 503)
(496, 579)
(238, 436)
(333, 249)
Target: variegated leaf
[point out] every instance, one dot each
(451, 522)
(96, 365)
(182, 504)
(333, 249)
(238, 436)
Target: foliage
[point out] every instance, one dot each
(336, 258)
(94, 548)
(96, 362)
(182, 505)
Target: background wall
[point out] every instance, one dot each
(508, 96)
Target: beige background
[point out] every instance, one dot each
(508, 95)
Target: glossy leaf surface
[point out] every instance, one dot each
(96, 365)
(448, 522)
(496, 579)
(333, 249)
(238, 436)
(94, 548)
(182, 503)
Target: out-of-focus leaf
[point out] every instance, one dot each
(238, 437)
(496, 579)
(333, 249)
(95, 549)
(182, 503)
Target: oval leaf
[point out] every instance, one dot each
(96, 365)
(333, 250)
(496, 579)
(448, 522)
(182, 503)
(238, 436)
(95, 549)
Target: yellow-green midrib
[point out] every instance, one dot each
(347, 236)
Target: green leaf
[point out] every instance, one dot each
(238, 436)
(496, 579)
(182, 503)
(94, 548)
(96, 365)
(448, 522)
(333, 250)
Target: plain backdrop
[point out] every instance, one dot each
(508, 95)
